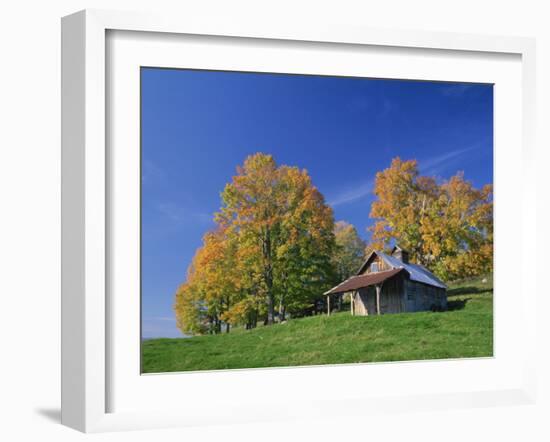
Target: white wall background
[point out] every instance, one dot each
(30, 215)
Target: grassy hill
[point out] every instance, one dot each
(465, 330)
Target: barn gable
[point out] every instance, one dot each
(416, 271)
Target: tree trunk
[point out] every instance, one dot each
(252, 319)
(268, 276)
(281, 309)
(270, 310)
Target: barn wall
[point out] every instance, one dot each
(422, 297)
(366, 302)
(391, 298)
(400, 295)
(443, 297)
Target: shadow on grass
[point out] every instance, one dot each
(468, 290)
(457, 304)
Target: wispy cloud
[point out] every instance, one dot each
(431, 166)
(436, 165)
(349, 195)
(178, 214)
(150, 172)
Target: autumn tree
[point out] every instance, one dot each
(212, 285)
(303, 266)
(349, 253)
(272, 250)
(190, 317)
(447, 226)
(459, 231)
(277, 213)
(371, 247)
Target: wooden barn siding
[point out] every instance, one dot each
(362, 305)
(381, 265)
(394, 299)
(424, 296)
(391, 298)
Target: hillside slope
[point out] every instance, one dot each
(465, 330)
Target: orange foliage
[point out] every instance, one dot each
(448, 227)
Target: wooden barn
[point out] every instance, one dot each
(390, 284)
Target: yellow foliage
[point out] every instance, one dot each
(448, 227)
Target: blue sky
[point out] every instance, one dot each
(197, 126)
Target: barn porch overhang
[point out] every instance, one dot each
(358, 282)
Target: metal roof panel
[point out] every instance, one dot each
(417, 272)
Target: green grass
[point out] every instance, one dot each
(465, 330)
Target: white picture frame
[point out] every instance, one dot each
(86, 203)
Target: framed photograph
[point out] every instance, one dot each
(311, 217)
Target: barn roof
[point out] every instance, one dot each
(417, 272)
(361, 281)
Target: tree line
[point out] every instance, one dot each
(276, 247)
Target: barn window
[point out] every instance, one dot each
(374, 267)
